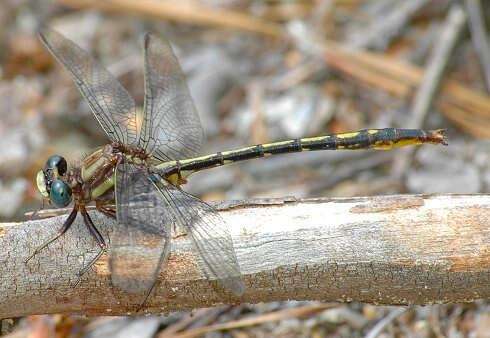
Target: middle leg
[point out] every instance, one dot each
(99, 239)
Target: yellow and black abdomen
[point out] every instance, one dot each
(382, 139)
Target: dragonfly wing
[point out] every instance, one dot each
(111, 104)
(171, 129)
(209, 234)
(140, 245)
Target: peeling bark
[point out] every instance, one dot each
(411, 249)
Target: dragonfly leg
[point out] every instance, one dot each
(66, 225)
(88, 266)
(148, 293)
(108, 211)
(93, 230)
(34, 214)
(99, 239)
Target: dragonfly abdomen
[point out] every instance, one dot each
(382, 139)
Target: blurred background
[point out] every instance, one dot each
(261, 71)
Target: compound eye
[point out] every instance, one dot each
(57, 164)
(60, 194)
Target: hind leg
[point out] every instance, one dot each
(106, 210)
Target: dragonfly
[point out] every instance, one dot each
(137, 178)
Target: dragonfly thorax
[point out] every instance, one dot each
(97, 171)
(134, 154)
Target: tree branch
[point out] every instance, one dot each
(411, 249)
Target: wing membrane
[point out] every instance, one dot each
(111, 104)
(141, 244)
(147, 206)
(171, 128)
(209, 234)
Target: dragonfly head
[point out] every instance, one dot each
(51, 184)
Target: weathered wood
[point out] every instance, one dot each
(383, 250)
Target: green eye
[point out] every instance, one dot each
(57, 164)
(60, 194)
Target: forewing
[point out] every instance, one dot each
(209, 234)
(141, 241)
(111, 104)
(171, 128)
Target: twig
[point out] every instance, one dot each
(396, 77)
(366, 75)
(478, 126)
(434, 322)
(171, 330)
(321, 15)
(382, 68)
(190, 13)
(479, 37)
(379, 34)
(431, 82)
(451, 91)
(380, 326)
(283, 11)
(261, 319)
(437, 64)
(385, 250)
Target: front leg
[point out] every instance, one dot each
(66, 225)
